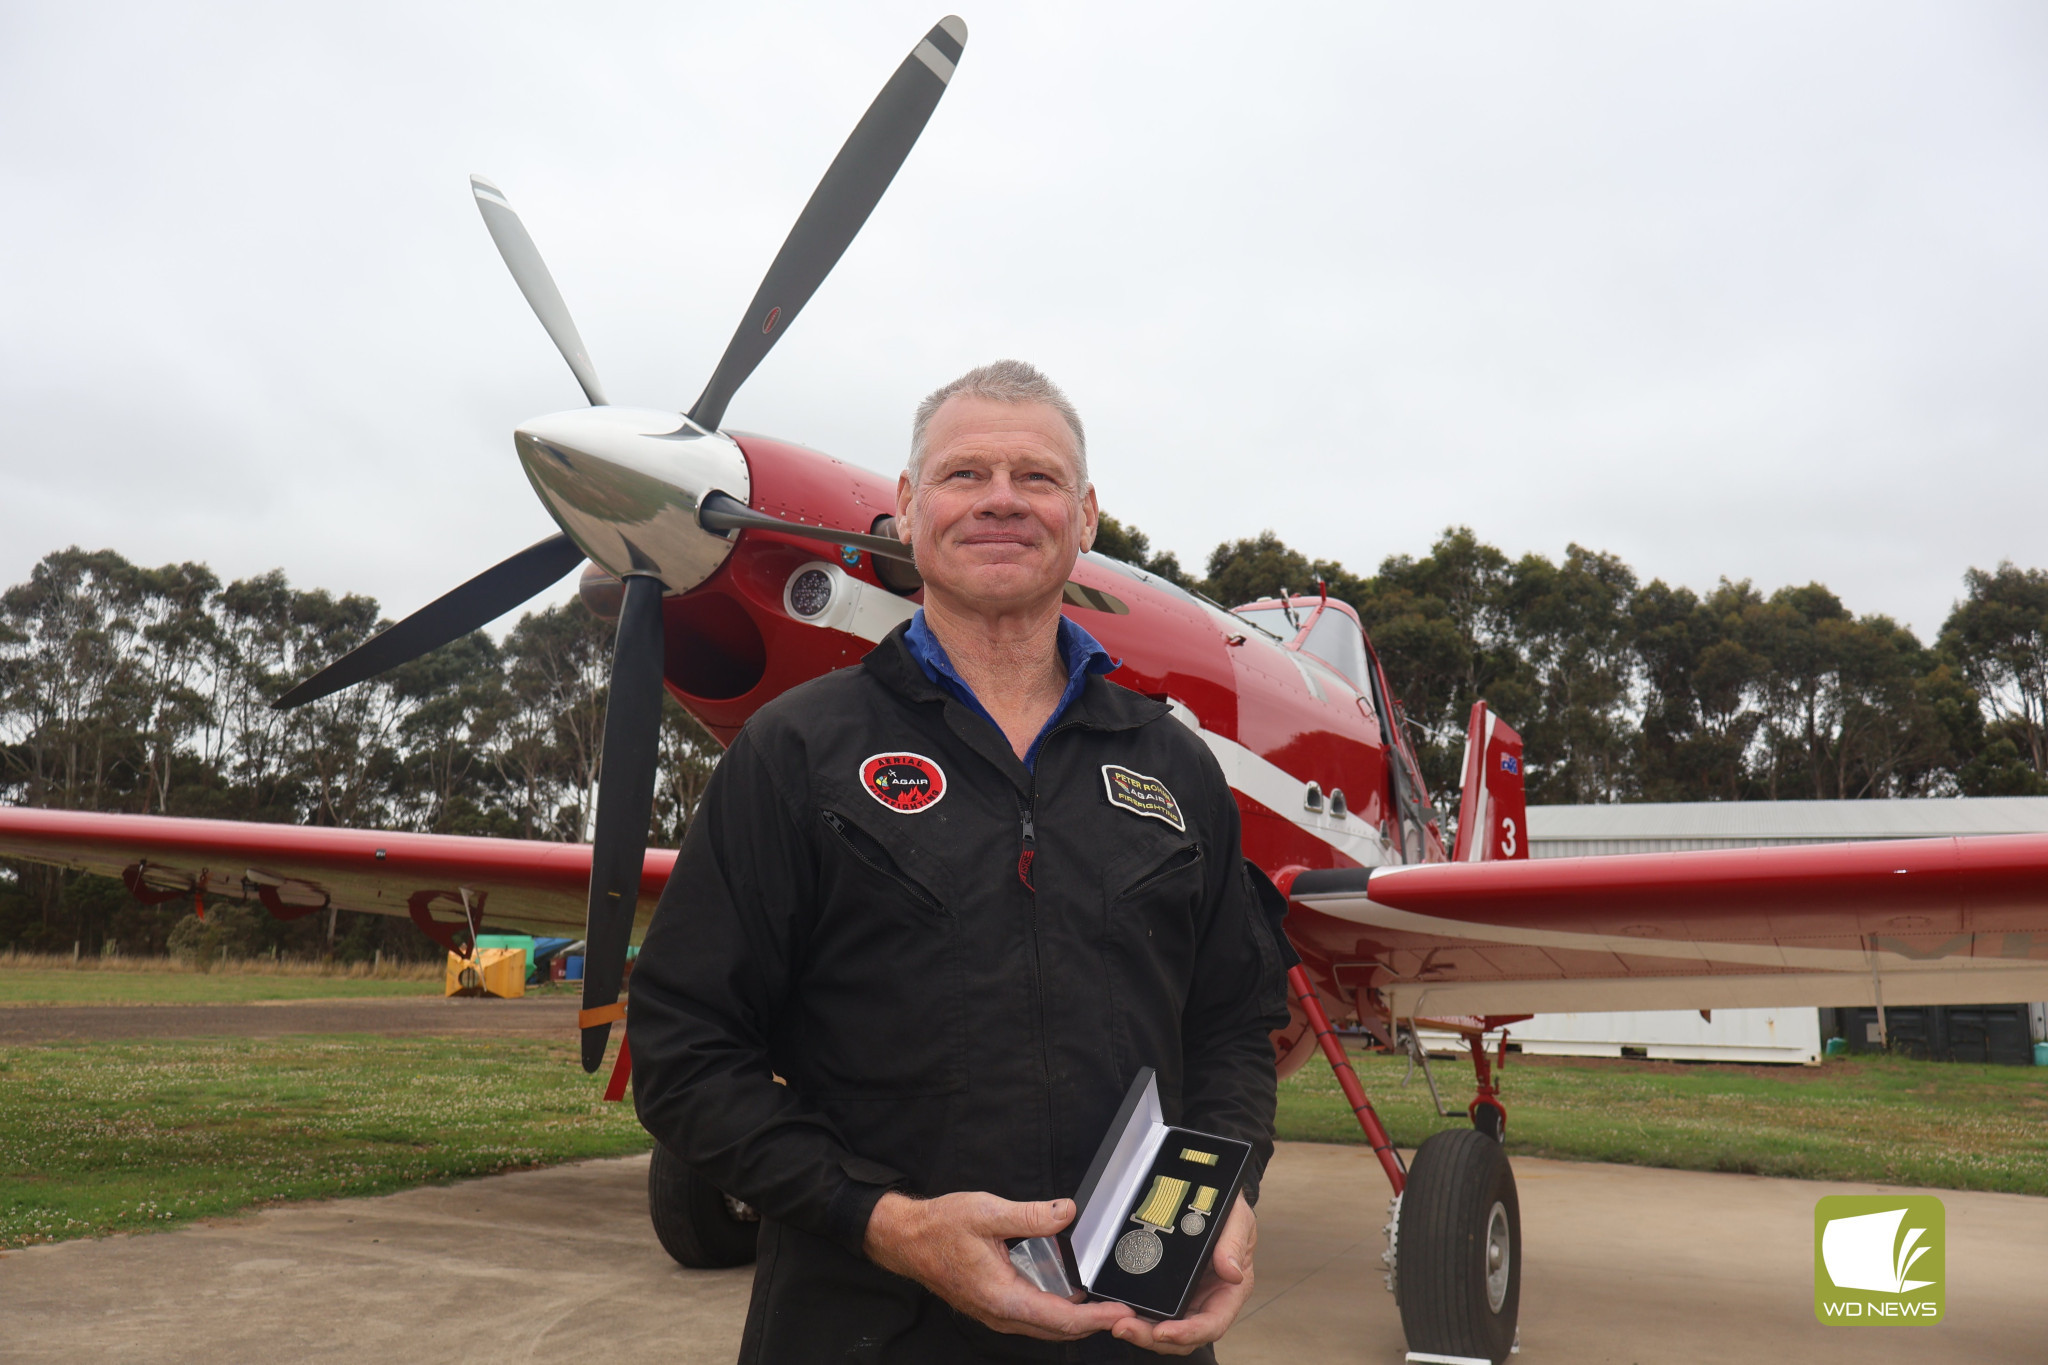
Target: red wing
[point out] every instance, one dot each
(510, 883)
(1923, 921)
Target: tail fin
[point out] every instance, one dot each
(1492, 813)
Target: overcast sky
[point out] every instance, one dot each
(1746, 290)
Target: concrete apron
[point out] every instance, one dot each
(1624, 1264)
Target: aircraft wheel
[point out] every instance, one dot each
(1460, 1248)
(696, 1224)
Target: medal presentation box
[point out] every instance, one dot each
(1150, 1208)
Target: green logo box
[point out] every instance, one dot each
(1879, 1260)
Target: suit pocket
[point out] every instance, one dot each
(1154, 922)
(1161, 903)
(884, 982)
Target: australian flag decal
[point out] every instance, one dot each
(1510, 764)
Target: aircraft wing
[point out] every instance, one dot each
(1919, 921)
(295, 870)
(1915, 921)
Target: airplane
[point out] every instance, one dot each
(738, 566)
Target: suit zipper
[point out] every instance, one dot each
(1027, 853)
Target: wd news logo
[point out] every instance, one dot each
(1878, 1259)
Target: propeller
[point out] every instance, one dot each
(852, 186)
(449, 617)
(625, 800)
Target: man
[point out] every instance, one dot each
(913, 951)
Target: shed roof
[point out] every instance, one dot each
(1651, 827)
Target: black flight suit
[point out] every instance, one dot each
(942, 1024)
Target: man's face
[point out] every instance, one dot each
(998, 513)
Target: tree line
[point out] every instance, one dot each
(1632, 691)
(125, 688)
(132, 689)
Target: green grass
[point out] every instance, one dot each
(111, 1137)
(68, 986)
(1887, 1120)
(123, 1136)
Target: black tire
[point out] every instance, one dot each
(1490, 1118)
(1458, 1206)
(696, 1224)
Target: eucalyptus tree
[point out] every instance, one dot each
(1998, 634)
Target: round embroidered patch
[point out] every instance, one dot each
(903, 782)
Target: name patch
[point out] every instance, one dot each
(903, 782)
(1141, 795)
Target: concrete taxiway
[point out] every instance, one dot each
(1625, 1265)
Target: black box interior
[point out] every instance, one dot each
(1163, 1290)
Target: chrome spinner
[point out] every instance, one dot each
(626, 483)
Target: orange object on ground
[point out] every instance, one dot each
(499, 972)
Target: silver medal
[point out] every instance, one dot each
(1138, 1251)
(1192, 1223)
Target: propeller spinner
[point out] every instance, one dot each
(653, 498)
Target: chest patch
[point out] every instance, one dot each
(1141, 795)
(903, 782)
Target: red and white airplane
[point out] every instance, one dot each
(738, 566)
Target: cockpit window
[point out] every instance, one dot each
(1337, 641)
(1223, 616)
(1138, 575)
(1272, 620)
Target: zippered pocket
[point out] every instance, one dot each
(1182, 858)
(882, 1015)
(1154, 929)
(869, 850)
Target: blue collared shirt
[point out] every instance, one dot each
(1078, 649)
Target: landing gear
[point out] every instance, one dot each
(702, 1228)
(1459, 1230)
(1454, 1237)
(1486, 1111)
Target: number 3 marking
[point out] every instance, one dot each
(1507, 836)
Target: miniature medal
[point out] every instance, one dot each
(1199, 1209)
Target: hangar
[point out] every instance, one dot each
(1779, 1035)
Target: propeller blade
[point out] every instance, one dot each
(625, 800)
(451, 616)
(723, 512)
(852, 186)
(530, 272)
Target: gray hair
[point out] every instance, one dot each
(1002, 381)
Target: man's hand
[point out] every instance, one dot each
(1217, 1299)
(954, 1246)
